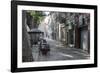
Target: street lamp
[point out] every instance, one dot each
(35, 35)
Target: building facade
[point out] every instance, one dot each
(71, 29)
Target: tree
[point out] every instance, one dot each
(26, 46)
(37, 17)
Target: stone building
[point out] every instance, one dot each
(83, 32)
(72, 29)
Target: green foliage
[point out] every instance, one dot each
(37, 16)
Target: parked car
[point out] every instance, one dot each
(44, 47)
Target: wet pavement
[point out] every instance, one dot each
(59, 52)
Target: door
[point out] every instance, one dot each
(84, 40)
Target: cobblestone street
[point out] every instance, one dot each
(51, 35)
(59, 52)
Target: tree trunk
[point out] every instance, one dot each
(26, 46)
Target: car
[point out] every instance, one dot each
(44, 47)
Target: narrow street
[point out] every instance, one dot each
(58, 52)
(67, 34)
